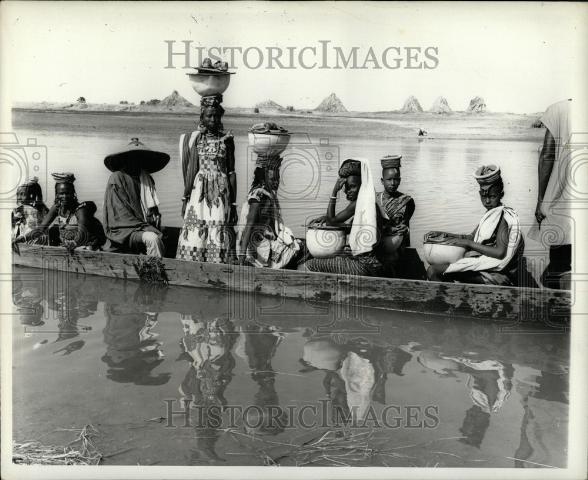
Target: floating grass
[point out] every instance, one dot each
(151, 270)
(80, 451)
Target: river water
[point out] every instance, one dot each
(422, 391)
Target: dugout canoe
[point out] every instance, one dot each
(510, 305)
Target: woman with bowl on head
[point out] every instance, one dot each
(264, 240)
(210, 188)
(358, 258)
(495, 247)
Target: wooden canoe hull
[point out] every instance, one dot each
(510, 305)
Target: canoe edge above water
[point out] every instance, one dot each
(509, 305)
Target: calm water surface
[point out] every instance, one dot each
(436, 172)
(111, 353)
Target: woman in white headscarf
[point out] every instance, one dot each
(355, 179)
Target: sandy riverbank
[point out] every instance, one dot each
(491, 126)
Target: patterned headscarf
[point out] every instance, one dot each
(213, 101)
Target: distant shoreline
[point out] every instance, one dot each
(456, 125)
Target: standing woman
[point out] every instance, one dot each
(210, 188)
(71, 223)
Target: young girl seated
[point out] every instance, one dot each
(495, 247)
(264, 240)
(29, 213)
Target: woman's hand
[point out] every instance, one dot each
(539, 215)
(458, 242)
(339, 184)
(317, 221)
(434, 236)
(233, 217)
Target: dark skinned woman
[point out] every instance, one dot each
(72, 224)
(359, 258)
(494, 248)
(210, 188)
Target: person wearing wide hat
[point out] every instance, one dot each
(131, 206)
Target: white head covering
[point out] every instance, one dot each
(363, 233)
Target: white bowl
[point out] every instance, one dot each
(437, 253)
(269, 143)
(325, 242)
(206, 85)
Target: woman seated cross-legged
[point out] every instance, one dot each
(263, 239)
(493, 251)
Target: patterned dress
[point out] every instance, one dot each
(205, 236)
(393, 211)
(26, 219)
(272, 244)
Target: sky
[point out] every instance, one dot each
(520, 57)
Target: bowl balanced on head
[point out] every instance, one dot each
(268, 139)
(210, 79)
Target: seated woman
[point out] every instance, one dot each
(263, 239)
(28, 215)
(359, 259)
(495, 247)
(396, 210)
(70, 223)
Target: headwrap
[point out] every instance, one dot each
(391, 161)
(64, 177)
(488, 175)
(212, 101)
(29, 183)
(349, 168)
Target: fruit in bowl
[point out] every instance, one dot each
(207, 84)
(324, 241)
(439, 253)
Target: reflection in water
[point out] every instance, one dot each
(489, 383)
(544, 401)
(27, 301)
(356, 372)
(258, 345)
(69, 305)
(206, 346)
(133, 348)
(505, 395)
